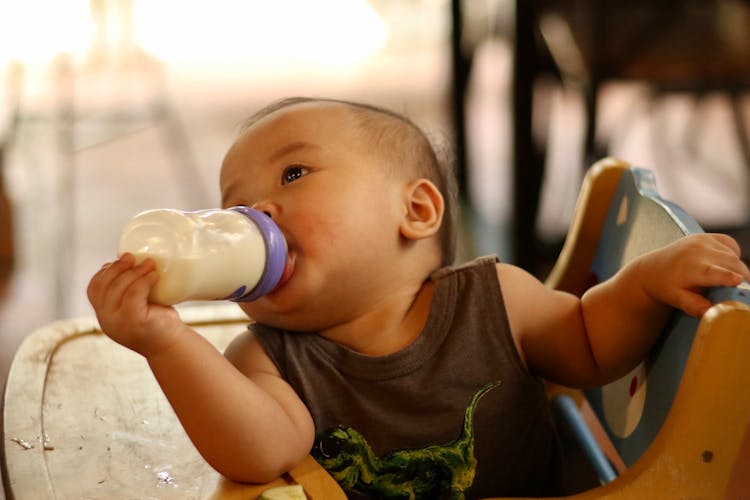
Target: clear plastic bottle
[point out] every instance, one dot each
(220, 254)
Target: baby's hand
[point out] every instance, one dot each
(678, 273)
(119, 293)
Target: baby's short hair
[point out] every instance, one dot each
(404, 144)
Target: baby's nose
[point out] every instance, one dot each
(267, 207)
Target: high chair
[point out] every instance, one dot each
(84, 417)
(675, 424)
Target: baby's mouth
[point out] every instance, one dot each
(286, 275)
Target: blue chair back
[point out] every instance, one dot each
(633, 409)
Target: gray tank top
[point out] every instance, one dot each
(455, 414)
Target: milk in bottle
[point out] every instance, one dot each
(236, 254)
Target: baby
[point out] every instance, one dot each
(401, 374)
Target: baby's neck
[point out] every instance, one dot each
(390, 326)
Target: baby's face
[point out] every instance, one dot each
(312, 170)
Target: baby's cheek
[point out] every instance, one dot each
(323, 231)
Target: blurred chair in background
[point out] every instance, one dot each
(7, 247)
(7, 223)
(102, 90)
(695, 47)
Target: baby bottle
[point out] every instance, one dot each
(237, 253)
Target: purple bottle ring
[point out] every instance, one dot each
(276, 252)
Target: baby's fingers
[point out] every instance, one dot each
(693, 303)
(135, 294)
(109, 284)
(125, 286)
(102, 280)
(744, 271)
(712, 275)
(729, 255)
(722, 275)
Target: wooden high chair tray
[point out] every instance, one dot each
(85, 418)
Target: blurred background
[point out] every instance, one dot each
(111, 107)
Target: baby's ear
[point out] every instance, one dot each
(423, 210)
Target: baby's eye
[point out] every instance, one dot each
(292, 173)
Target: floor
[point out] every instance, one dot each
(165, 151)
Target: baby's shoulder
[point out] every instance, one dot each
(478, 265)
(248, 355)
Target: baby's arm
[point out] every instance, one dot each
(248, 427)
(595, 339)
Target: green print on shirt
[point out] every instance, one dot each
(434, 472)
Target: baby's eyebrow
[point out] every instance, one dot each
(292, 147)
